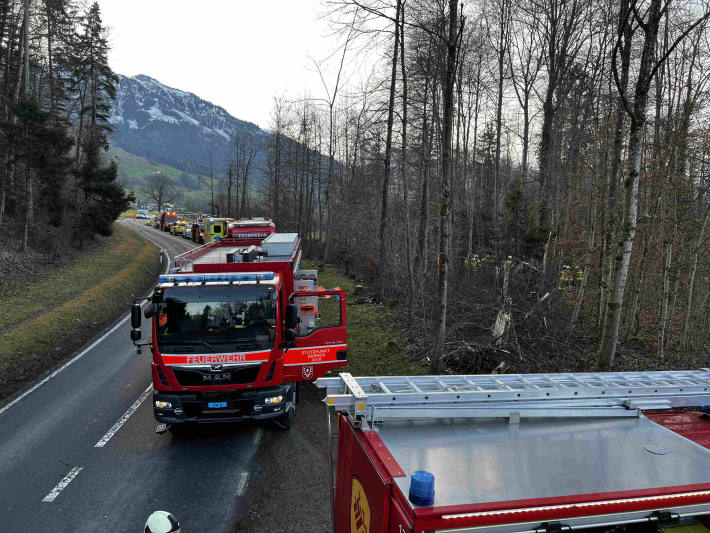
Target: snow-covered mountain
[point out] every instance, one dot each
(174, 127)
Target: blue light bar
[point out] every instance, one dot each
(215, 278)
(256, 276)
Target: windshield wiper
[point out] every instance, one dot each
(192, 342)
(209, 345)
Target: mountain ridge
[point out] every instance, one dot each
(177, 128)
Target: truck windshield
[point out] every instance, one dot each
(219, 318)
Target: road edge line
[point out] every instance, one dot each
(119, 423)
(64, 366)
(243, 483)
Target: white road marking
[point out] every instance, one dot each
(79, 355)
(257, 436)
(243, 483)
(63, 484)
(132, 409)
(63, 367)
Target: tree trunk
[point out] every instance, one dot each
(587, 265)
(472, 199)
(405, 187)
(423, 229)
(612, 317)
(668, 247)
(381, 256)
(28, 172)
(444, 212)
(691, 281)
(229, 191)
(642, 270)
(609, 219)
(502, 44)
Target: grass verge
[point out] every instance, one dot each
(375, 340)
(49, 317)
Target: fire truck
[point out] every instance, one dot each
(537, 453)
(236, 324)
(251, 228)
(167, 219)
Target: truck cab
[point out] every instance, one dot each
(167, 219)
(231, 334)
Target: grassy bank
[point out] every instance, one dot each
(375, 342)
(48, 317)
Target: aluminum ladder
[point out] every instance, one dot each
(515, 396)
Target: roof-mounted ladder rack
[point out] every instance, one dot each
(514, 396)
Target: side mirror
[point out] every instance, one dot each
(291, 316)
(135, 335)
(150, 311)
(290, 335)
(136, 316)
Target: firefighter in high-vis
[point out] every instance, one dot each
(566, 278)
(579, 275)
(473, 262)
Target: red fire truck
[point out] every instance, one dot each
(251, 228)
(235, 325)
(167, 219)
(538, 453)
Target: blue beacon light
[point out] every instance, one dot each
(421, 488)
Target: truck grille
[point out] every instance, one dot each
(205, 377)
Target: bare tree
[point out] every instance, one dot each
(452, 43)
(161, 188)
(636, 110)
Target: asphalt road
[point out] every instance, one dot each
(79, 452)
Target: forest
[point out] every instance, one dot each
(57, 187)
(525, 182)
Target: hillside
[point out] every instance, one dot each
(176, 128)
(193, 188)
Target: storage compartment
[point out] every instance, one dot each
(280, 244)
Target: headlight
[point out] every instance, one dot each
(163, 405)
(274, 399)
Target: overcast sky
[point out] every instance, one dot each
(238, 54)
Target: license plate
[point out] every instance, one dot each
(216, 405)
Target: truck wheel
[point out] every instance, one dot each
(285, 421)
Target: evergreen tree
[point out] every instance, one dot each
(94, 81)
(104, 198)
(41, 147)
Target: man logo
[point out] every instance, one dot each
(217, 379)
(359, 509)
(307, 372)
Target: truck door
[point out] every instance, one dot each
(321, 340)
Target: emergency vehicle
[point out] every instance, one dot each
(537, 453)
(167, 219)
(235, 325)
(215, 227)
(251, 228)
(178, 227)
